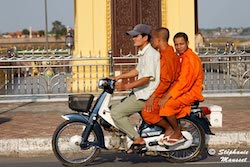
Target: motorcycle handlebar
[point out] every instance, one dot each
(107, 83)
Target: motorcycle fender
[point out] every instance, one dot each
(76, 117)
(96, 127)
(205, 125)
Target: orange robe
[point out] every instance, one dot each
(170, 68)
(188, 87)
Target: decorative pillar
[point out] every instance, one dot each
(92, 39)
(30, 32)
(91, 25)
(179, 16)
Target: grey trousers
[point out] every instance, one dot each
(122, 111)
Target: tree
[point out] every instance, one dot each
(246, 31)
(58, 29)
(41, 33)
(25, 32)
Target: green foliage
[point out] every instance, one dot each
(58, 29)
(246, 31)
(25, 32)
(41, 33)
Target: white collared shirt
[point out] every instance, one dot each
(148, 66)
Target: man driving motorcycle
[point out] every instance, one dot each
(148, 73)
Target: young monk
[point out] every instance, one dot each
(188, 88)
(170, 69)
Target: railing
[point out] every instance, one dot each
(58, 75)
(226, 73)
(43, 51)
(36, 76)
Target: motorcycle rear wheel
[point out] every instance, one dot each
(197, 146)
(66, 144)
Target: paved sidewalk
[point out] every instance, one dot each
(28, 127)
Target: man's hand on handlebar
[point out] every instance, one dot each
(114, 78)
(120, 86)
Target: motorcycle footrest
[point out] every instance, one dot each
(142, 150)
(153, 143)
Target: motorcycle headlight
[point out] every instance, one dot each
(104, 82)
(101, 83)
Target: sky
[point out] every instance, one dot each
(223, 13)
(16, 15)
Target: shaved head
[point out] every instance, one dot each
(162, 33)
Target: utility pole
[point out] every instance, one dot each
(196, 16)
(46, 27)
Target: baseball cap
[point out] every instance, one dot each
(140, 29)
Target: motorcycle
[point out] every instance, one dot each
(78, 140)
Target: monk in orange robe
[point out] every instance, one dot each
(170, 68)
(187, 89)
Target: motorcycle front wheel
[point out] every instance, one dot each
(196, 147)
(66, 144)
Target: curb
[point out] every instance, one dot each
(229, 139)
(39, 146)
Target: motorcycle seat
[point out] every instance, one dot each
(195, 104)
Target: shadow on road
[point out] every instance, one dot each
(4, 119)
(124, 157)
(15, 107)
(111, 156)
